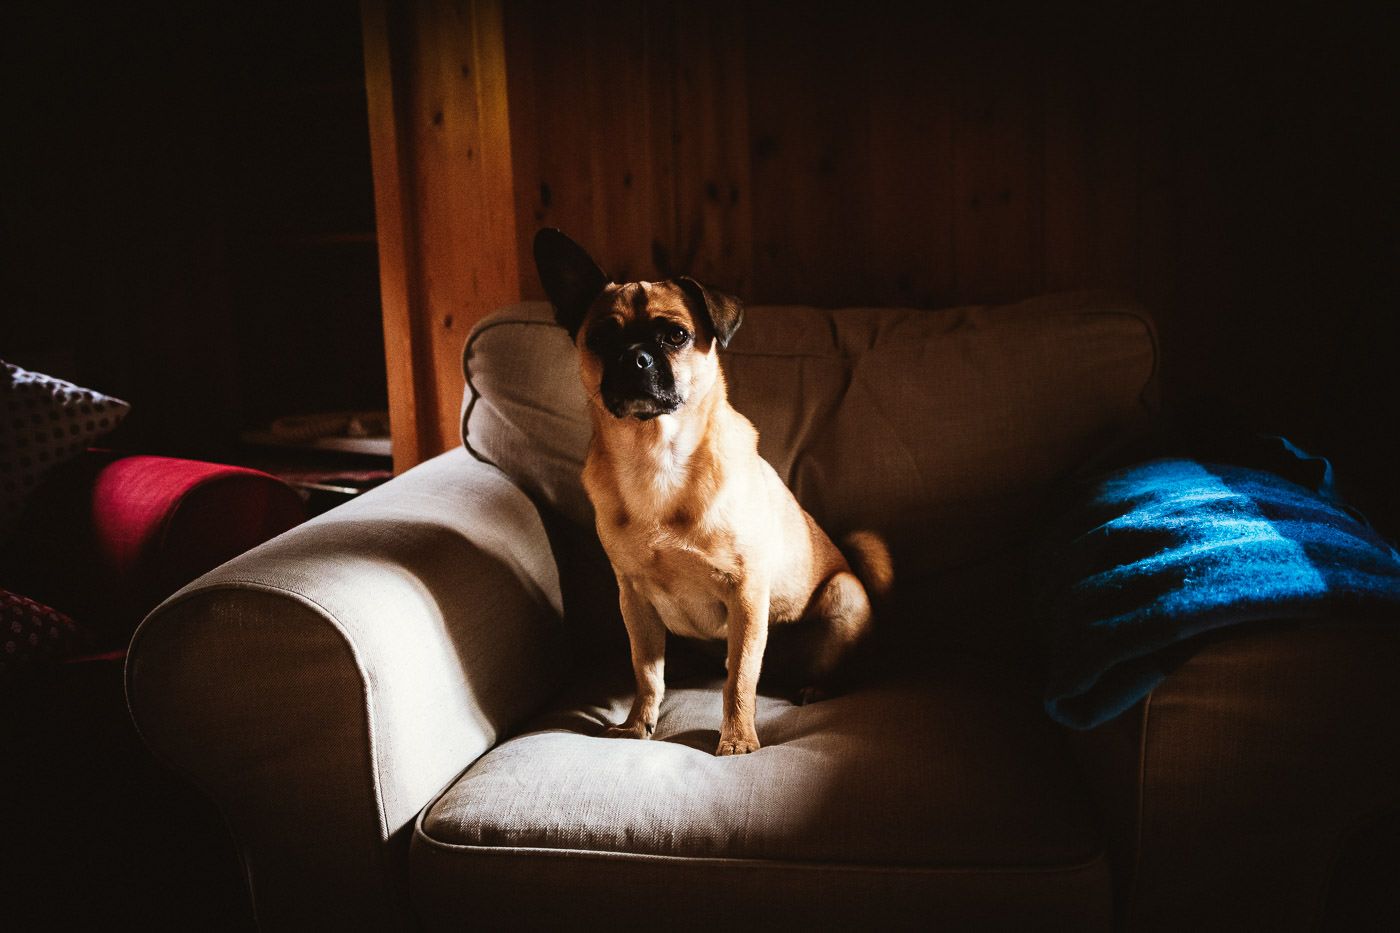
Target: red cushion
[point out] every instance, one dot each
(110, 538)
(146, 506)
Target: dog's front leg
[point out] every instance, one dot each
(748, 636)
(648, 640)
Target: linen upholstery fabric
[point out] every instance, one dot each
(552, 890)
(942, 429)
(1278, 745)
(44, 421)
(545, 889)
(326, 685)
(916, 795)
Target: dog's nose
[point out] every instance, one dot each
(639, 358)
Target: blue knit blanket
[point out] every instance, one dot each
(1161, 552)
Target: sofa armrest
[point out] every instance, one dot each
(323, 687)
(1233, 790)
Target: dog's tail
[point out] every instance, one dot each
(870, 559)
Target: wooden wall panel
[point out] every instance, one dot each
(848, 155)
(1233, 177)
(998, 169)
(712, 234)
(1092, 165)
(1156, 228)
(911, 189)
(830, 154)
(593, 120)
(833, 158)
(809, 110)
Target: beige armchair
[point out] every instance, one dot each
(398, 705)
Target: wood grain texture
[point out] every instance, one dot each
(1092, 170)
(998, 169)
(832, 155)
(712, 229)
(849, 155)
(444, 195)
(810, 126)
(397, 261)
(911, 192)
(592, 117)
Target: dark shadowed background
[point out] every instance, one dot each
(188, 205)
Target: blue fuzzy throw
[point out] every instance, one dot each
(1161, 552)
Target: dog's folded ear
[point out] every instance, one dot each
(725, 312)
(570, 277)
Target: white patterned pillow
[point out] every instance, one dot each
(43, 422)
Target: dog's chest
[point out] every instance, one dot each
(668, 529)
(686, 610)
(685, 580)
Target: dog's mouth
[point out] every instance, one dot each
(641, 407)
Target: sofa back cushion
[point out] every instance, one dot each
(944, 430)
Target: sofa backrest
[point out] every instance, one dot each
(944, 430)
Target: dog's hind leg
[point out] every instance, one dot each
(838, 619)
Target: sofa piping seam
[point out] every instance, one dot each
(451, 848)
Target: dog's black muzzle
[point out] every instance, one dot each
(639, 383)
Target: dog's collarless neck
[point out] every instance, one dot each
(654, 460)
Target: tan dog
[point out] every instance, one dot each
(705, 539)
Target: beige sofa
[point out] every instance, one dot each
(397, 705)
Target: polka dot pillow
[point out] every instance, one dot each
(34, 637)
(43, 422)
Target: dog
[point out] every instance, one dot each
(706, 540)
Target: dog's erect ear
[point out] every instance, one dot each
(570, 277)
(726, 312)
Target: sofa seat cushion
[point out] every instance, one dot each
(949, 776)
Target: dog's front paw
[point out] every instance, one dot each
(737, 743)
(638, 730)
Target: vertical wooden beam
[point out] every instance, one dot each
(444, 201)
(394, 238)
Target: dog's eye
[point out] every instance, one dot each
(675, 335)
(602, 335)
